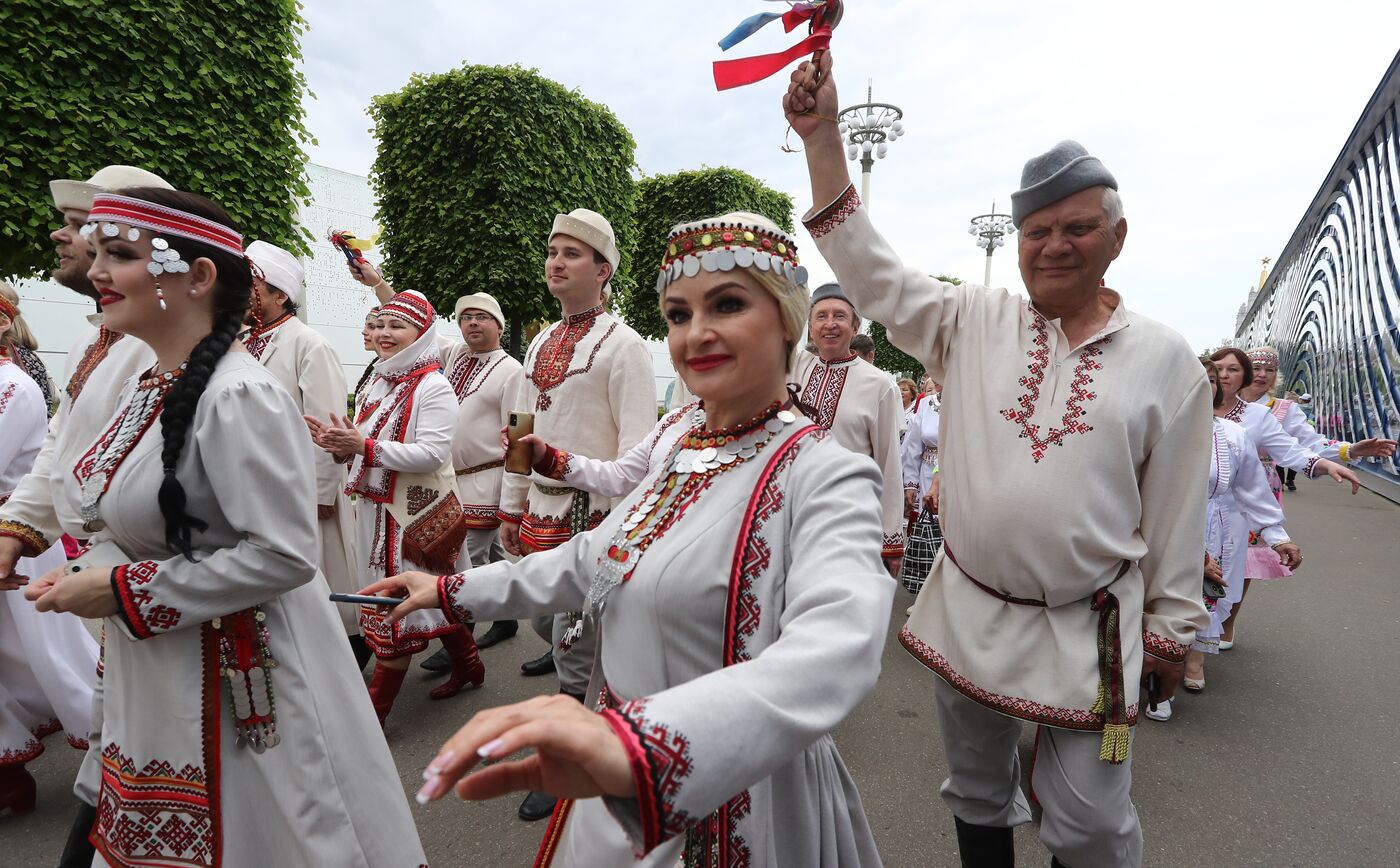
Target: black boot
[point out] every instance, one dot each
(78, 852)
(985, 846)
(499, 632)
(1056, 863)
(361, 649)
(541, 665)
(536, 806)
(439, 662)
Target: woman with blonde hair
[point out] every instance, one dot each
(739, 597)
(17, 342)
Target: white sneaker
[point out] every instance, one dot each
(909, 611)
(1163, 712)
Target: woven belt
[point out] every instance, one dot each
(1111, 701)
(499, 462)
(555, 490)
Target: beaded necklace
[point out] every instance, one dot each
(695, 461)
(96, 468)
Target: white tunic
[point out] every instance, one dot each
(860, 404)
(485, 385)
(307, 367)
(589, 381)
(1238, 499)
(760, 611)
(918, 454)
(1069, 473)
(328, 794)
(48, 662)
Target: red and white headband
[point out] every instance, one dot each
(108, 210)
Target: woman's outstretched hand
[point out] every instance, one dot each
(419, 588)
(577, 754)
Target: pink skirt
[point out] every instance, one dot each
(1263, 562)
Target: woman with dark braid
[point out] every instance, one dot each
(235, 728)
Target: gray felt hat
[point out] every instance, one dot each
(830, 290)
(1061, 171)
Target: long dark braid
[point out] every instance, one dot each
(232, 293)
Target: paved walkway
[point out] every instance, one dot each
(1291, 757)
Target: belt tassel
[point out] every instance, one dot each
(1110, 702)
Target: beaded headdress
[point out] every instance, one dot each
(737, 240)
(109, 210)
(1263, 356)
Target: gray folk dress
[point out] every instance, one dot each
(752, 626)
(176, 787)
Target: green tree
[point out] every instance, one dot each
(892, 359)
(665, 200)
(208, 98)
(473, 164)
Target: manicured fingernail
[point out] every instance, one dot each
(486, 751)
(429, 791)
(435, 767)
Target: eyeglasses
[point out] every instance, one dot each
(476, 317)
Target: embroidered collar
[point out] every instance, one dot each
(1117, 320)
(586, 316)
(841, 361)
(1236, 413)
(258, 331)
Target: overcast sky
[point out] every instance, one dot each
(1219, 119)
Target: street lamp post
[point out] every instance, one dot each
(991, 230)
(868, 129)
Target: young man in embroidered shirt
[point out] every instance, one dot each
(1073, 461)
(589, 382)
(99, 363)
(856, 401)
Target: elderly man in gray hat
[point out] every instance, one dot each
(1073, 453)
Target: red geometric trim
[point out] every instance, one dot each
(447, 589)
(258, 338)
(660, 761)
(1079, 395)
(1014, 706)
(1311, 466)
(92, 357)
(158, 815)
(35, 746)
(371, 456)
(509, 517)
(138, 608)
(389, 641)
(556, 353)
(480, 517)
(552, 833)
(1236, 413)
(6, 395)
(893, 546)
(540, 533)
(1163, 648)
(823, 395)
(833, 215)
(554, 464)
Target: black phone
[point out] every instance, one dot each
(362, 600)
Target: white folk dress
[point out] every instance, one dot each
(751, 625)
(1070, 481)
(307, 367)
(918, 454)
(859, 403)
(1238, 498)
(48, 662)
(407, 420)
(177, 789)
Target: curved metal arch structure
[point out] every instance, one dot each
(1332, 304)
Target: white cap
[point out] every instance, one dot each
(78, 194)
(592, 229)
(280, 269)
(480, 301)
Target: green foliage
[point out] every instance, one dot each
(208, 97)
(665, 200)
(474, 163)
(892, 359)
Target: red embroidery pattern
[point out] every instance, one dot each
(1079, 393)
(257, 340)
(834, 214)
(448, 586)
(1236, 413)
(35, 542)
(823, 390)
(469, 373)
(1163, 648)
(143, 615)
(92, 357)
(665, 763)
(18, 756)
(157, 816)
(893, 546)
(480, 518)
(752, 554)
(391, 424)
(6, 395)
(551, 363)
(1023, 709)
(542, 532)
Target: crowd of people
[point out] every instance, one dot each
(714, 587)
